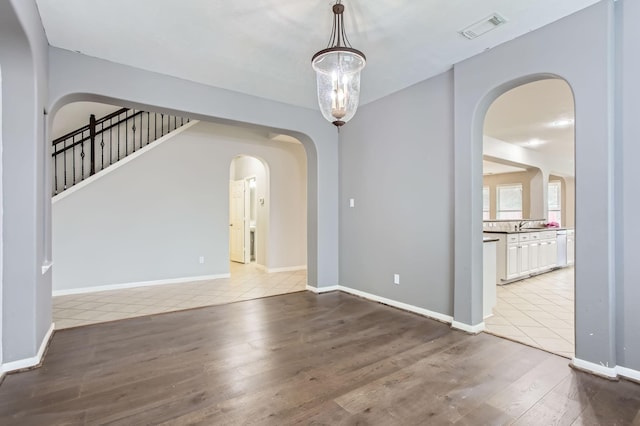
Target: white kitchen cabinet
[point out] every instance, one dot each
(571, 247)
(553, 254)
(534, 252)
(523, 254)
(534, 256)
(520, 255)
(548, 250)
(544, 255)
(513, 264)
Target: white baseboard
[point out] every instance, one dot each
(29, 362)
(65, 292)
(122, 162)
(320, 290)
(628, 373)
(598, 369)
(287, 269)
(473, 329)
(400, 305)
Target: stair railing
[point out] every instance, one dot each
(105, 141)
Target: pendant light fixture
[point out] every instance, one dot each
(338, 73)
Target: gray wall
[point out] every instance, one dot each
(153, 217)
(628, 175)
(413, 124)
(584, 60)
(396, 160)
(26, 291)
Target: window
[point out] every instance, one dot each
(509, 201)
(485, 203)
(554, 196)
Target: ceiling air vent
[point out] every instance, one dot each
(483, 26)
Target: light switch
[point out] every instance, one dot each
(352, 202)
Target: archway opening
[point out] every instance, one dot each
(160, 210)
(529, 210)
(267, 220)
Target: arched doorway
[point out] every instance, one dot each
(190, 164)
(528, 206)
(267, 226)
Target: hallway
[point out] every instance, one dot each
(247, 282)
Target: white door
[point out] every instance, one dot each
(237, 191)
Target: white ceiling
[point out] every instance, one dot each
(264, 47)
(539, 116)
(493, 168)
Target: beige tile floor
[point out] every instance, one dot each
(538, 311)
(246, 282)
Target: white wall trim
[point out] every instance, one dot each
(287, 269)
(78, 186)
(592, 367)
(65, 292)
(400, 305)
(29, 362)
(473, 329)
(320, 290)
(628, 373)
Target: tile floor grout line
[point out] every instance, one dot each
(114, 305)
(514, 312)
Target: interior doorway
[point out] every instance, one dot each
(248, 212)
(529, 210)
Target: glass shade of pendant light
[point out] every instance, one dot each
(338, 73)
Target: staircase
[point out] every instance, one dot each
(105, 141)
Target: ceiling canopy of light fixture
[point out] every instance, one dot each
(338, 73)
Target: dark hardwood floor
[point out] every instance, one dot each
(303, 359)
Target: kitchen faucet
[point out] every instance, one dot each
(521, 224)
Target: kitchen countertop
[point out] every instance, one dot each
(525, 230)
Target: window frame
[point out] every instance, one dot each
(559, 200)
(499, 211)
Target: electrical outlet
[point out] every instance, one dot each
(201, 259)
(352, 202)
(396, 278)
